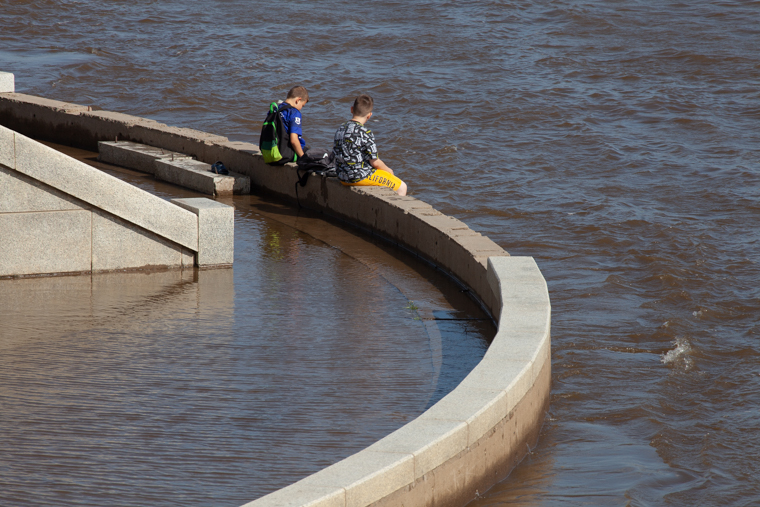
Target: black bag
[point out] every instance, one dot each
(274, 141)
(317, 161)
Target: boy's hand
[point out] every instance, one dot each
(379, 164)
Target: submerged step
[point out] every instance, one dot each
(197, 176)
(139, 157)
(172, 167)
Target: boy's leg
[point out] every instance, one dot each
(381, 178)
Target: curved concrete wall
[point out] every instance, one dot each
(471, 438)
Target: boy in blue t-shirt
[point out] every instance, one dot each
(291, 117)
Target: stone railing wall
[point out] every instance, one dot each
(469, 440)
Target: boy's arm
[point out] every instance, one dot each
(296, 144)
(379, 164)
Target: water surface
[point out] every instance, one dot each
(215, 387)
(616, 142)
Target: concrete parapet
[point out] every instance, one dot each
(58, 215)
(83, 127)
(216, 230)
(7, 82)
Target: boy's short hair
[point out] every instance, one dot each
(363, 105)
(298, 92)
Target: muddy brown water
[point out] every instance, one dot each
(616, 142)
(215, 387)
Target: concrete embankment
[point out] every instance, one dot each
(471, 438)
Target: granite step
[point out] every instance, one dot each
(172, 167)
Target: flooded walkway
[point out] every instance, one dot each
(216, 387)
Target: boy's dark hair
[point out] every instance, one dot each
(298, 92)
(363, 105)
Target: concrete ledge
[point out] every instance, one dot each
(80, 126)
(216, 230)
(7, 82)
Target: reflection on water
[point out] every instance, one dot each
(215, 387)
(47, 58)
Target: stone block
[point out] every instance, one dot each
(7, 82)
(509, 277)
(45, 242)
(216, 230)
(43, 118)
(188, 258)
(106, 192)
(7, 147)
(242, 184)
(197, 176)
(117, 244)
(462, 247)
(42, 108)
(139, 157)
(237, 156)
(367, 476)
(302, 494)
(395, 215)
(432, 442)
(183, 140)
(273, 180)
(525, 309)
(112, 117)
(482, 408)
(20, 193)
(330, 195)
(363, 206)
(523, 339)
(512, 376)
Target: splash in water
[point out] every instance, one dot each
(679, 357)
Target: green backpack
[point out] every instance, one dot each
(274, 141)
